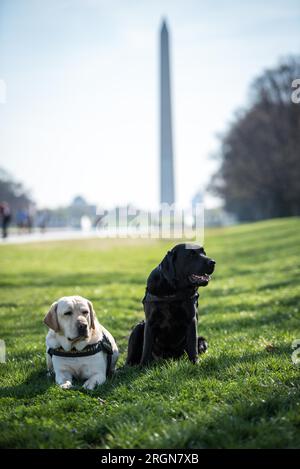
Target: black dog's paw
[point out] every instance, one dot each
(145, 362)
(202, 345)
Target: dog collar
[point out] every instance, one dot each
(181, 296)
(103, 345)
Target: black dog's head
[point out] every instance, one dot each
(187, 265)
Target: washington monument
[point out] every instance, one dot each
(167, 190)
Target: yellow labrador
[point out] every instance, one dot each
(77, 345)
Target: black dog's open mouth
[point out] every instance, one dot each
(199, 279)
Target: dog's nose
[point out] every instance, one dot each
(212, 262)
(82, 328)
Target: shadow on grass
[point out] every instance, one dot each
(229, 291)
(206, 368)
(40, 279)
(19, 330)
(276, 319)
(251, 423)
(227, 428)
(9, 304)
(36, 383)
(214, 365)
(245, 422)
(293, 281)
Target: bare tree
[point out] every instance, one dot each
(13, 192)
(260, 154)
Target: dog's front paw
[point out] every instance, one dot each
(202, 345)
(94, 381)
(194, 360)
(66, 385)
(144, 363)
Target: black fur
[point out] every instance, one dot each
(171, 308)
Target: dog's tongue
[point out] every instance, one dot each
(201, 278)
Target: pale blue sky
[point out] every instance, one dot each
(81, 113)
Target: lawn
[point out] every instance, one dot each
(244, 393)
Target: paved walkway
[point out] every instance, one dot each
(58, 235)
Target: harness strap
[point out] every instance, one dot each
(103, 345)
(149, 298)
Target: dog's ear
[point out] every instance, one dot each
(51, 318)
(92, 314)
(167, 267)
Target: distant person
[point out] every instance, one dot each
(42, 221)
(30, 218)
(5, 218)
(21, 220)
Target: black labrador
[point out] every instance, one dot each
(170, 306)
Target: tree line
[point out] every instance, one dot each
(259, 155)
(13, 192)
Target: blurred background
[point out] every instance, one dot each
(79, 109)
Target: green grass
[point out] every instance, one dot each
(243, 393)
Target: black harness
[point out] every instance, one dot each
(180, 296)
(103, 345)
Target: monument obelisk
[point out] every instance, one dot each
(167, 190)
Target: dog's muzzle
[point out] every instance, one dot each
(203, 279)
(82, 330)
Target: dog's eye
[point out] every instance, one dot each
(85, 312)
(68, 313)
